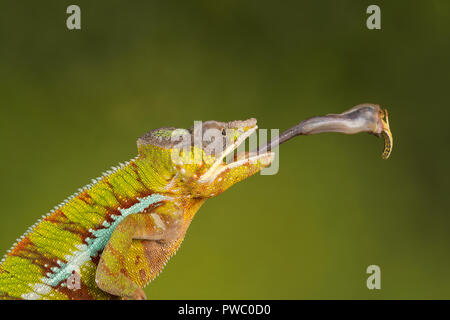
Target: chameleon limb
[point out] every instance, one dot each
(112, 275)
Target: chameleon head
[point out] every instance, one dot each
(201, 161)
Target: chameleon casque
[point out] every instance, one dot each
(117, 233)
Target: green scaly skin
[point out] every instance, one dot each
(117, 233)
(113, 237)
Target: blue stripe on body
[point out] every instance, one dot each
(98, 242)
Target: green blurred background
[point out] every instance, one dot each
(74, 102)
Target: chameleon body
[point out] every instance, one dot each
(114, 236)
(117, 233)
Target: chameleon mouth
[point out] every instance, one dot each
(242, 158)
(249, 158)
